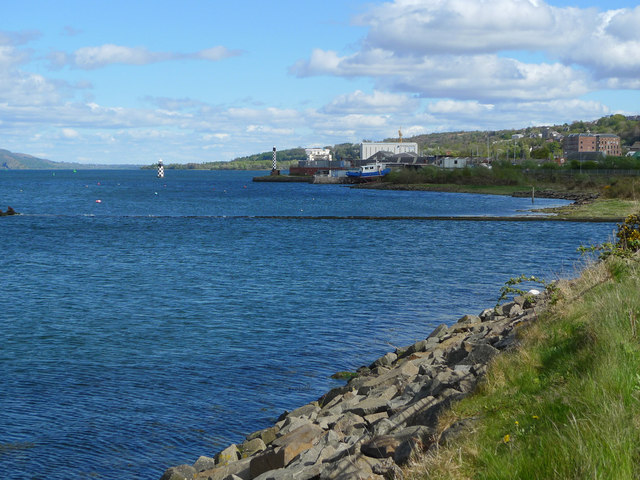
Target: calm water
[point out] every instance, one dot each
(164, 323)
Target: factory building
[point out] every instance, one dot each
(368, 149)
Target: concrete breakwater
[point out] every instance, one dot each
(371, 426)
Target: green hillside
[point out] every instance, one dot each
(22, 161)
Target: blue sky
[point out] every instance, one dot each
(114, 82)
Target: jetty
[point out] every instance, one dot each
(388, 411)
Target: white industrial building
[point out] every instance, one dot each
(314, 154)
(454, 162)
(368, 149)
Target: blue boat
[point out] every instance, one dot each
(372, 171)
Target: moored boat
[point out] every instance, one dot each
(369, 172)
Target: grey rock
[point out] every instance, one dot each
(374, 404)
(385, 361)
(328, 421)
(439, 332)
(348, 422)
(180, 472)
(462, 369)
(413, 439)
(331, 395)
(293, 423)
(220, 472)
(414, 414)
(204, 463)
(420, 346)
(228, 455)
(480, 353)
(457, 354)
(487, 314)
(267, 435)
(374, 417)
(352, 467)
(391, 377)
(469, 319)
(251, 447)
(309, 411)
(508, 342)
(389, 445)
(388, 469)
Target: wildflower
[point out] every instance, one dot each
(535, 417)
(517, 422)
(506, 438)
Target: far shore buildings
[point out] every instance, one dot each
(369, 149)
(588, 146)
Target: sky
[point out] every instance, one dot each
(129, 82)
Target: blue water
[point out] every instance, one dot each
(164, 322)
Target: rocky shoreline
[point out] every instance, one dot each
(370, 427)
(578, 198)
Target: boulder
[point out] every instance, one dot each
(375, 404)
(251, 447)
(204, 463)
(228, 455)
(180, 472)
(467, 319)
(221, 472)
(439, 332)
(406, 370)
(351, 467)
(480, 353)
(285, 449)
(385, 360)
(347, 423)
(309, 411)
(267, 435)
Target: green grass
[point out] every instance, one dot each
(566, 405)
(616, 209)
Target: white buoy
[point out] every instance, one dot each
(160, 169)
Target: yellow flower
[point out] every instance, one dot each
(517, 422)
(535, 417)
(506, 438)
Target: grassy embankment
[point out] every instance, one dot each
(566, 404)
(618, 196)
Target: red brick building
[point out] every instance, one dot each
(603, 143)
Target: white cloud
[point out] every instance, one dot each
(378, 102)
(460, 26)
(70, 133)
(448, 107)
(269, 130)
(217, 53)
(94, 57)
(472, 49)
(215, 136)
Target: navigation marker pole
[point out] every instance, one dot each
(274, 165)
(160, 169)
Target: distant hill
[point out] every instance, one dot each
(22, 161)
(472, 142)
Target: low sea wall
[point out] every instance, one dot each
(371, 426)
